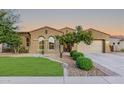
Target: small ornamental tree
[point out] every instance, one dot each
(62, 43)
(69, 39)
(15, 42)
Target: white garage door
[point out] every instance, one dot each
(95, 47)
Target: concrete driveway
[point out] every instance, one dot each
(114, 62)
(119, 53)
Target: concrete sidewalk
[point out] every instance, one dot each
(62, 80)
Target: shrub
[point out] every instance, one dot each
(84, 63)
(77, 54)
(122, 50)
(72, 52)
(6, 50)
(23, 50)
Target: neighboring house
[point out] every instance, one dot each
(4, 48)
(116, 43)
(43, 38)
(122, 43)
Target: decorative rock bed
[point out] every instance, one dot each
(72, 69)
(97, 70)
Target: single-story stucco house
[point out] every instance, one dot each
(44, 37)
(116, 43)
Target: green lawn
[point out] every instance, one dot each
(29, 66)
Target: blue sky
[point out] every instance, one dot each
(109, 21)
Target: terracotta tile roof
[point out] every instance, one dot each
(67, 28)
(91, 29)
(45, 27)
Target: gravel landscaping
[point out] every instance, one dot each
(97, 70)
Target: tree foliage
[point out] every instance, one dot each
(8, 27)
(69, 39)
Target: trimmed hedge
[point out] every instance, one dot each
(77, 54)
(84, 63)
(72, 52)
(23, 50)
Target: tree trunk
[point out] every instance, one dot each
(15, 51)
(60, 55)
(61, 50)
(18, 48)
(69, 47)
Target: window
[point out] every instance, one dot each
(51, 43)
(41, 42)
(118, 43)
(46, 31)
(113, 43)
(28, 41)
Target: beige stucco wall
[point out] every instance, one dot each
(74, 47)
(99, 35)
(41, 32)
(23, 38)
(67, 30)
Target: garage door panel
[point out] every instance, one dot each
(95, 47)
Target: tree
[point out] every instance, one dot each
(8, 27)
(62, 43)
(15, 42)
(68, 40)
